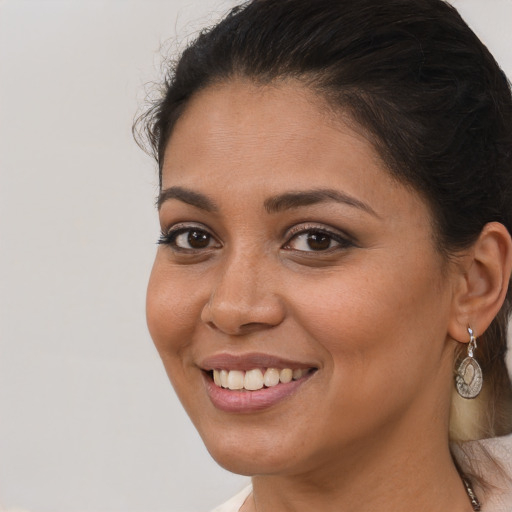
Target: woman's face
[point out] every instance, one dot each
(287, 246)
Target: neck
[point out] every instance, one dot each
(390, 476)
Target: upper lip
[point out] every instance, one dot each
(250, 361)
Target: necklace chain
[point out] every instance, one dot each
(475, 503)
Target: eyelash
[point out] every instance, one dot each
(169, 237)
(343, 242)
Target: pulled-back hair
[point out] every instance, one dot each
(434, 102)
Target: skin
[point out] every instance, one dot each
(373, 313)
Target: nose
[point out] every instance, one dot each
(244, 297)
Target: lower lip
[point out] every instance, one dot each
(251, 401)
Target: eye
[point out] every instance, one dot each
(316, 240)
(188, 239)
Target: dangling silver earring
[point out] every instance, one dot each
(469, 376)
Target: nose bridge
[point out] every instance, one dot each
(244, 295)
(240, 276)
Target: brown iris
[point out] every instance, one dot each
(198, 239)
(319, 241)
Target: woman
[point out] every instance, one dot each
(332, 284)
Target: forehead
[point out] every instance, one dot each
(243, 124)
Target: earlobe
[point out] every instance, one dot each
(484, 281)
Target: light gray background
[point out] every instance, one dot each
(88, 421)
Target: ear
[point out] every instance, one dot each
(482, 283)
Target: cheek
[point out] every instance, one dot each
(374, 331)
(378, 316)
(172, 309)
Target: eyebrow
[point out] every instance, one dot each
(274, 204)
(290, 200)
(187, 196)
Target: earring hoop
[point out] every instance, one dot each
(469, 377)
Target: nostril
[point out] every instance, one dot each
(240, 330)
(254, 326)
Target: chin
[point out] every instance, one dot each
(258, 456)
(242, 464)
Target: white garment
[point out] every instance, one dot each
(499, 500)
(234, 504)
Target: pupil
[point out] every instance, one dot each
(198, 239)
(319, 241)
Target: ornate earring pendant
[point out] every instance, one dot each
(469, 378)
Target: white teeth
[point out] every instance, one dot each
(252, 380)
(271, 377)
(236, 379)
(298, 374)
(224, 378)
(285, 375)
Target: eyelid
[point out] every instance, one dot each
(179, 226)
(311, 226)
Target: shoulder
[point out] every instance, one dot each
(499, 475)
(234, 504)
(500, 447)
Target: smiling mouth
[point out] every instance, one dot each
(257, 378)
